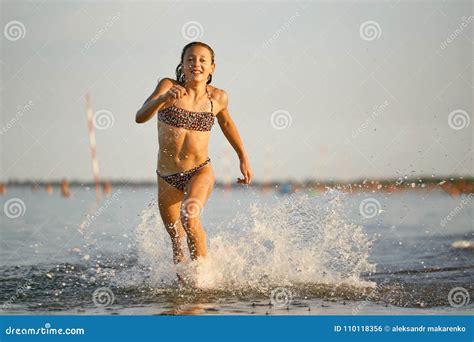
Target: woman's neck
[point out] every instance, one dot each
(196, 90)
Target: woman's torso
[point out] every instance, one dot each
(183, 134)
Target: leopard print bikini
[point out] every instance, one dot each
(183, 118)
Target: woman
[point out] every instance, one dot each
(186, 108)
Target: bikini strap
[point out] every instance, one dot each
(210, 98)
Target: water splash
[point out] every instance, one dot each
(300, 241)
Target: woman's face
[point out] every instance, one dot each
(197, 64)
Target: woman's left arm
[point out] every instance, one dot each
(232, 134)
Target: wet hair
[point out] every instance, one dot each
(179, 69)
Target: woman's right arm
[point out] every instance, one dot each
(155, 101)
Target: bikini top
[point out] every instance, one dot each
(183, 118)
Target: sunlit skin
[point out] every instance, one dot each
(182, 149)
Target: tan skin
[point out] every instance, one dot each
(182, 149)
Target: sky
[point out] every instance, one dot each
(318, 90)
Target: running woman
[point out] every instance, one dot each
(186, 108)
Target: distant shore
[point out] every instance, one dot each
(453, 185)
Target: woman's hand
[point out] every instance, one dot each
(246, 172)
(176, 92)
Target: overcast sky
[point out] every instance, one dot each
(340, 89)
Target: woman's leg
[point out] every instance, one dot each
(169, 203)
(198, 191)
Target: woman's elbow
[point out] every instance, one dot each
(224, 123)
(142, 116)
(138, 118)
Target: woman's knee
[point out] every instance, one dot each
(191, 208)
(170, 217)
(191, 225)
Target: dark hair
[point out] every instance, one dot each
(179, 69)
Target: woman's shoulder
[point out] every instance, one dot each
(167, 81)
(218, 95)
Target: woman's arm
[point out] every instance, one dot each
(164, 90)
(231, 133)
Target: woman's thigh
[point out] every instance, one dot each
(169, 202)
(200, 186)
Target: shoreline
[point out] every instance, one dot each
(454, 186)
